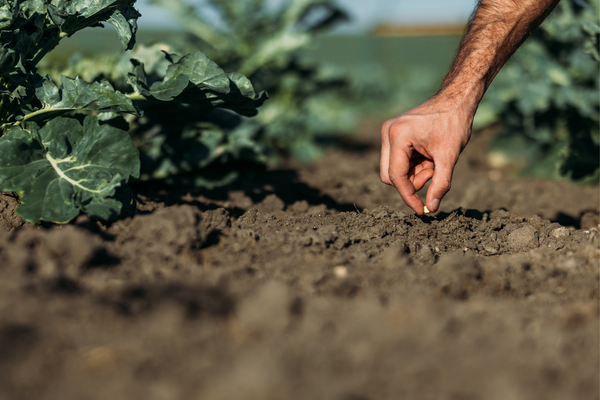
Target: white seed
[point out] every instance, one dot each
(426, 210)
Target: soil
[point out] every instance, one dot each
(310, 282)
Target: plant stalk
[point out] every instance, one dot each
(136, 96)
(53, 43)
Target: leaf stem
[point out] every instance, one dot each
(54, 164)
(136, 96)
(2, 105)
(51, 45)
(40, 112)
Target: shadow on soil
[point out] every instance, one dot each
(257, 185)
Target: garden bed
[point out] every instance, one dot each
(310, 282)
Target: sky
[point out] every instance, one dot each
(364, 13)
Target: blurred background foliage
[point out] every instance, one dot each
(544, 102)
(547, 99)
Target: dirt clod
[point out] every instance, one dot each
(173, 228)
(9, 220)
(65, 254)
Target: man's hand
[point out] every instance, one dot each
(425, 142)
(422, 144)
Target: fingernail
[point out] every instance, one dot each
(435, 204)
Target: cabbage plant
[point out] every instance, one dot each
(64, 148)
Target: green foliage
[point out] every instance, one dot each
(184, 128)
(64, 168)
(59, 166)
(547, 98)
(309, 104)
(76, 94)
(196, 79)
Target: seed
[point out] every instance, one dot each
(426, 210)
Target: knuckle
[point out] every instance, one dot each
(396, 130)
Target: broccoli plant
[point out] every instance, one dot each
(63, 149)
(309, 103)
(547, 100)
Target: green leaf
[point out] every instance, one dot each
(73, 16)
(241, 97)
(76, 94)
(65, 168)
(590, 45)
(6, 15)
(125, 22)
(201, 71)
(195, 70)
(30, 7)
(195, 79)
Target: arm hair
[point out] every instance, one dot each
(495, 31)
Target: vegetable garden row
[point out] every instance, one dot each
(74, 136)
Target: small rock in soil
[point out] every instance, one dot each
(340, 272)
(523, 238)
(560, 232)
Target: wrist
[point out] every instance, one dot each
(463, 97)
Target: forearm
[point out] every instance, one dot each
(496, 31)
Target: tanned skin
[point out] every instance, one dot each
(425, 142)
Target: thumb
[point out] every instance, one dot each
(440, 184)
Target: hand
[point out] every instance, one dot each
(422, 144)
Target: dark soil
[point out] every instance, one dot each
(310, 282)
